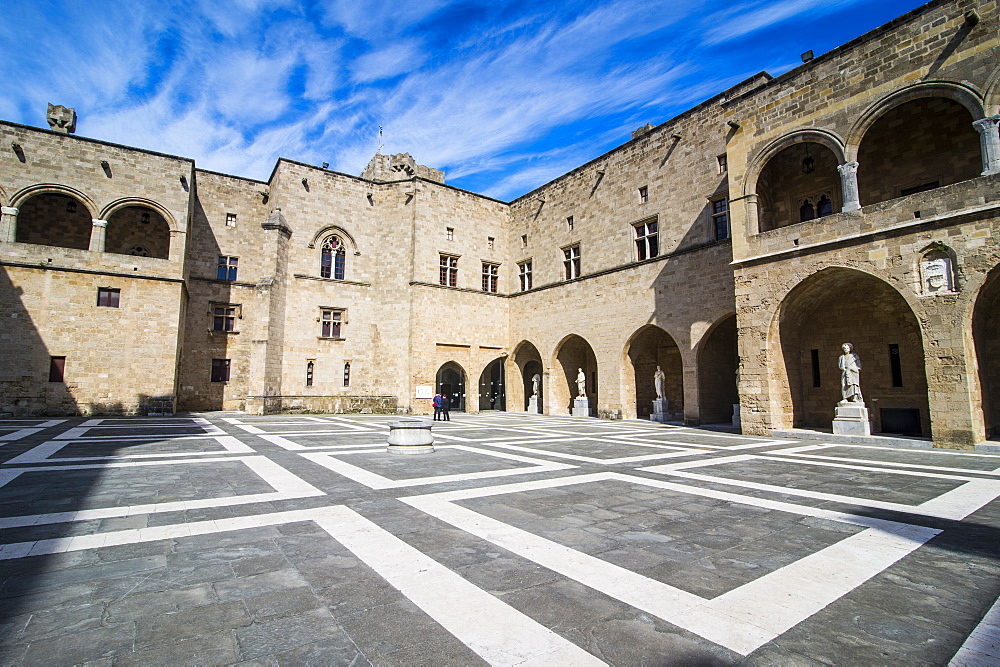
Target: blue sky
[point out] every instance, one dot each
(502, 95)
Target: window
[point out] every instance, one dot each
(720, 218)
(643, 194)
(333, 258)
(57, 369)
(490, 242)
(919, 188)
(309, 373)
(449, 233)
(824, 207)
(723, 163)
(814, 360)
(645, 240)
(347, 374)
(227, 268)
(220, 370)
(224, 317)
(894, 365)
(491, 273)
(571, 260)
(448, 274)
(108, 297)
(569, 223)
(230, 219)
(524, 240)
(331, 321)
(807, 211)
(525, 274)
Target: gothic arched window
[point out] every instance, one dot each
(333, 259)
(824, 207)
(806, 211)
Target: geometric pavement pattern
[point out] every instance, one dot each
(523, 539)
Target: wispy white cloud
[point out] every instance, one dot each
(395, 59)
(737, 23)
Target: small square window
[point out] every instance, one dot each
(723, 164)
(227, 268)
(230, 219)
(569, 223)
(331, 321)
(524, 240)
(220, 370)
(310, 367)
(449, 233)
(490, 242)
(643, 194)
(108, 297)
(491, 276)
(347, 374)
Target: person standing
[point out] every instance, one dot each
(445, 407)
(437, 407)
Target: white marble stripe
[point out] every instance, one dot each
(44, 451)
(375, 481)
(498, 633)
(744, 621)
(591, 459)
(955, 504)
(876, 462)
(982, 647)
(872, 467)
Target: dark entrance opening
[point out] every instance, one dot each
(491, 389)
(451, 382)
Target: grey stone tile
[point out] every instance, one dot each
(384, 629)
(218, 648)
(143, 605)
(282, 603)
(271, 637)
(258, 584)
(190, 623)
(83, 646)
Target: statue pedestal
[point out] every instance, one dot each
(851, 419)
(581, 407)
(533, 406)
(736, 415)
(659, 411)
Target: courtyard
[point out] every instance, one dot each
(222, 538)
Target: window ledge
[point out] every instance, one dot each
(217, 331)
(330, 338)
(341, 281)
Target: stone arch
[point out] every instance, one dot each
(492, 391)
(329, 230)
(124, 202)
(527, 363)
(571, 354)
(963, 94)
(934, 268)
(451, 379)
(918, 139)
(818, 315)
(991, 97)
(137, 229)
(986, 342)
(718, 365)
(648, 347)
(54, 215)
(795, 179)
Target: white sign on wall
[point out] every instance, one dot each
(425, 391)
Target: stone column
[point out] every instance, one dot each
(989, 141)
(753, 214)
(849, 186)
(8, 224)
(98, 234)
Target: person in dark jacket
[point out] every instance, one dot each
(445, 407)
(437, 406)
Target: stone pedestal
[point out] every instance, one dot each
(581, 407)
(736, 415)
(851, 419)
(659, 411)
(410, 436)
(533, 406)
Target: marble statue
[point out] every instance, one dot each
(581, 384)
(658, 378)
(850, 377)
(535, 379)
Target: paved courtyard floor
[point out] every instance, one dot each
(222, 538)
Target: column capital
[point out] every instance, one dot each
(100, 223)
(848, 168)
(8, 210)
(984, 124)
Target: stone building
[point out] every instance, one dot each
(855, 198)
